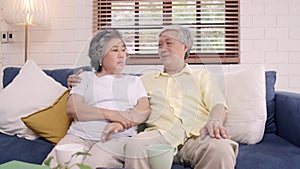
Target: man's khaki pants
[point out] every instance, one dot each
(207, 153)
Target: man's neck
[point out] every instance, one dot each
(174, 68)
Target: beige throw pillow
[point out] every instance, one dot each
(245, 92)
(31, 90)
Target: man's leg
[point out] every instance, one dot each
(135, 149)
(208, 153)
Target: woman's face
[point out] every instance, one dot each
(115, 57)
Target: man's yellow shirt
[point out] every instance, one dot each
(181, 102)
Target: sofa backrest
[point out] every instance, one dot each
(61, 75)
(270, 99)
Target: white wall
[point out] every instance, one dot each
(57, 43)
(270, 35)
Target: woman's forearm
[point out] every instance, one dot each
(80, 111)
(77, 109)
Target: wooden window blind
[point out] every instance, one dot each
(213, 23)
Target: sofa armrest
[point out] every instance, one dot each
(288, 116)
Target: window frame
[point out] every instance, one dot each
(231, 29)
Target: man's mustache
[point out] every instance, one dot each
(164, 53)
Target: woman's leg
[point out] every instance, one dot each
(69, 139)
(107, 154)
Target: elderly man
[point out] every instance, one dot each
(188, 110)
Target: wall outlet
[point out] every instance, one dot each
(4, 37)
(7, 37)
(10, 36)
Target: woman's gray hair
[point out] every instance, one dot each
(98, 46)
(184, 36)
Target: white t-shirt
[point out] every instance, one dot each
(106, 92)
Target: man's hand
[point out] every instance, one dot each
(110, 129)
(215, 129)
(214, 126)
(74, 79)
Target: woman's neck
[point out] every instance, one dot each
(104, 73)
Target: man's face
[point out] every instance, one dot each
(170, 48)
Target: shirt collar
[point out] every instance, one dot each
(187, 69)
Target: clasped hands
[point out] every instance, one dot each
(118, 121)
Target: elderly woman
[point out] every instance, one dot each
(107, 105)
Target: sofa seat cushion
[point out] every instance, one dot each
(15, 148)
(272, 152)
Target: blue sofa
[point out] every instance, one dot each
(279, 148)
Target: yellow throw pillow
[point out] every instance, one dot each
(51, 123)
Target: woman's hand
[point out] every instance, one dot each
(110, 129)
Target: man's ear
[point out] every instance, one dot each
(186, 47)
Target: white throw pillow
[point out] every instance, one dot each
(245, 93)
(31, 90)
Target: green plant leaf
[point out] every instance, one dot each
(81, 153)
(66, 164)
(82, 166)
(48, 161)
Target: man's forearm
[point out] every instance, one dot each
(138, 116)
(140, 112)
(218, 113)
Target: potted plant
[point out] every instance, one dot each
(68, 164)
